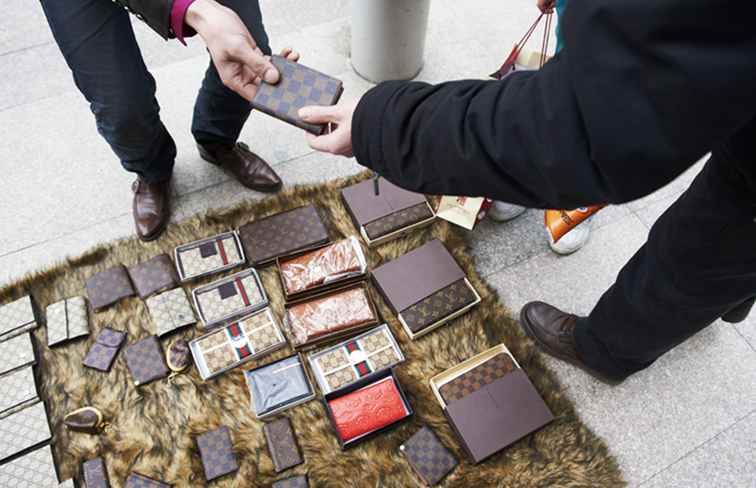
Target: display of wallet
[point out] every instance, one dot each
(22, 430)
(278, 386)
(145, 361)
(227, 347)
(327, 266)
(151, 276)
(16, 317)
(491, 402)
(109, 286)
(216, 452)
(33, 470)
(16, 352)
(170, 310)
(426, 288)
(341, 365)
(103, 352)
(67, 320)
(293, 482)
(94, 473)
(282, 444)
(367, 409)
(282, 234)
(208, 256)
(330, 315)
(230, 297)
(389, 214)
(429, 458)
(18, 389)
(298, 87)
(136, 480)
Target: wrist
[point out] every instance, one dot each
(199, 13)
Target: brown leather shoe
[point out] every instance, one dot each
(247, 167)
(151, 208)
(554, 333)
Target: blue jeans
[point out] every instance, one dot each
(98, 43)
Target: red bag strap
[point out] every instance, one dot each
(517, 49)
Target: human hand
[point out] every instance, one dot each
(339, 140)
(546, 6)
(239, 61)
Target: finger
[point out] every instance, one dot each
(253, 59)
(326, 143)
(317, 114)
(290, 54)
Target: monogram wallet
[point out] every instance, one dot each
(23, 430)
(16, 317)
(136, 480)
(153, 275)
(94, 473)
(67, 320)
(16, 352)
(18, 389)
(282, 445)
(230, 297)
(299, 86)
(109, 286)
(209, 256)
(145, 361)
(293, 482)
(429, 458)
(216, 453)
(103, 352)
(475, 379)
(170, 310)
(35, 469)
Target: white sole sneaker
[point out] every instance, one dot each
(504, 212)
(572, 241)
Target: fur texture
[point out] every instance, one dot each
(154, 428)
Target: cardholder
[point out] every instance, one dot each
(293, 482)
(16, 317)
(170, 310)
(282, 444)
(145, 361)
(109, 286)
(103, 352)
(32, 470)
(16, 352)
(208, 256)
(136, 480)
(216, 452)
(94, 473)
(151, 276)
(18, 389)
(67, 320)
(429, 458)
(299, 86)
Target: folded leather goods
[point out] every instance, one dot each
(208, 256)
(18, 389)
(16, 317)
(16, 352)
(278, 386)
(282, 445)
(136, 480)
(233, 296)
(88, 420)
(298, 87)
(109, 286)
(330, 315)
(388, 214)
(475, 379)
(216, 453)
(335, 263)
(67, 320)
(23, 430)
(170, 310)
(94, 473)
(282, 234)
(145, 361)
(34, 469)
(103, 352)
(293, 482)
(155, 274)
(248, 338)
(426, 288)
(429, 458)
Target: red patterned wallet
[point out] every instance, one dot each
(368, 409)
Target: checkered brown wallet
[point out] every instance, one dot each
(103, 352)
(145, 361)
(429, 458)
(216, 452)
(298, 87)
(475, 379)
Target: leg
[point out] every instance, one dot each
(698, 264)
(97, 41)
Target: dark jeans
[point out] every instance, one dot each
(98, 43)
(699, 263)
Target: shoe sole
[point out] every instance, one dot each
(155, 235)
(261, 189)
(527, 328)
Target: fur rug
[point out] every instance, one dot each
(153, 429)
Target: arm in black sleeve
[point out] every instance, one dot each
(641, 91)
(156, 13)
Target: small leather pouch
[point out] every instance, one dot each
(208, 256)
(67, 320)
(145, 361)
(23, 430)
(16, 352)
(153, 275)
(18, 389)
(293, 482)
(429, 458)
(16, 317)
(216, 452)
(136, 480)
(88, 420)
(298, 87)
(282, 445)
(103, 352)
(109, 286)
(178, 357)
(94, 473)
(170, 310)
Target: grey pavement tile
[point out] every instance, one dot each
(747, 329)
(651, 213)
(726, 461)
(284, 16)
(671, 190)
(22, 25)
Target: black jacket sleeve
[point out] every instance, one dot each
(156, 13)
(641, 91)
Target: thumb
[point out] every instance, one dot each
(259, 64)
(319, 114)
